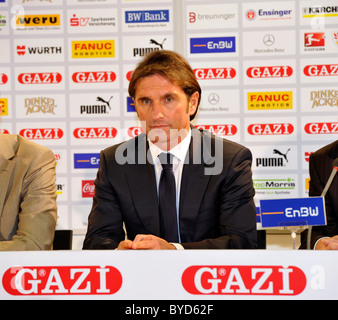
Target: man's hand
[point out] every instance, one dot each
(328, 244)
(146, 242)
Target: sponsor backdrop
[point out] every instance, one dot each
(269, 73)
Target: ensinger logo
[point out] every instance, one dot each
(269, 72)
(42, 134)
(215, 73)
(47, 281)
(244, 280)
(213, 45)
(151, 16)
(94, 77)
(38, 20)
(271, 129)
(322, 128)
(270, 100)
(93, 49)
(95, 133)
(40, 78)
(321, 70)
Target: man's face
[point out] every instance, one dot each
(164, 110)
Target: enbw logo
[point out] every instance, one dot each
(213, 45)
(86, 160)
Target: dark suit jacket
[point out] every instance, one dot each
(216, 211)
(321, 165)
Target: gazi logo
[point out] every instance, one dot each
(244, 280)
(47, 281)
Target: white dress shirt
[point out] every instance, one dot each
(179, 152)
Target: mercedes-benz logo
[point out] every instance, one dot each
(269, 40)
(213, 98)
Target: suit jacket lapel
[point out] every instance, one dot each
(142, 184)
(193, 186)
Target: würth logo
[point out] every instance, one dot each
(44, 281)
(244, 280)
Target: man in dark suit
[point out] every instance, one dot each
(208, 180)
(321, 165)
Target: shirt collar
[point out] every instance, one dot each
(179, 151)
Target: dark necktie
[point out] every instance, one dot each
(167, 200)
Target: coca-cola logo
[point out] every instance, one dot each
(88, 189)
(275, 129)
(270, 72)
(326, 70)
(244, 280)
(215, 73)
(46, 281)
(222, 130)
(42, 134)
(321, 128)
(94, 77)
(40, 78)
(95, 133)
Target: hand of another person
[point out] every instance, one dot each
(328, 244)
(150, 242)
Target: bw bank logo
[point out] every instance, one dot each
(149, 16)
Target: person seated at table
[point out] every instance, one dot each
(321, 165)
(28, 210)
(174, 186)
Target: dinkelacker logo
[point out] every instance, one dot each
(244, 280)
(44, 281)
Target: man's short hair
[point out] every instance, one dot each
(170, 65)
